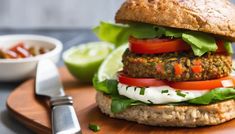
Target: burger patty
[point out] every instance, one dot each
(177, 66)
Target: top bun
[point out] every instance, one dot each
(210, 16)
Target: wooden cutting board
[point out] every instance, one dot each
(34, 113)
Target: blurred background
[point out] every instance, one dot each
(54, 14)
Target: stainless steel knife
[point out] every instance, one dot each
(64, 119)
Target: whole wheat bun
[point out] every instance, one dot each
(170, 115)
(210, 16)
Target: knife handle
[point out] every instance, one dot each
(64, 119)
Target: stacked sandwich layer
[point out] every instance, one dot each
(178, 67)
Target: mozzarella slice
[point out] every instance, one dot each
(158, 95)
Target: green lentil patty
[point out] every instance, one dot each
(165, 66)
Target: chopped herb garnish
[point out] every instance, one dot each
(94, 127)
(164, 91)
(168, 94)
(135, 88)
(179, 93)
(150, 101)
(142, 91)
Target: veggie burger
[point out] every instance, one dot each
(177, 70)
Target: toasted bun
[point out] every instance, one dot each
(211, 16)
(169, 115)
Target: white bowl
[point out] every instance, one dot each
(21, 69)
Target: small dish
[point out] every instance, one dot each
(20, 69)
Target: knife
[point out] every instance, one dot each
(64, 119)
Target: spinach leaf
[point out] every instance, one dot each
(215, 95)
(106, 86)
(120, 103)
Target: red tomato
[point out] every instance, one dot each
(21, 50)
(156, 46)
(140, 82)
(186, 85)
(200, 85)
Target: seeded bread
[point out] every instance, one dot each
(169, 115)
(211, 16)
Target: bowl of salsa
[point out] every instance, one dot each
(19, 55)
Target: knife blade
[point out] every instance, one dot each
(47, 83)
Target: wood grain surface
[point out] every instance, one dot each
(34, 113)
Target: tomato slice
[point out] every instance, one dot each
(156, 45)
(206, 84)
(228, 81)
(21, 50)
(139, 82)
(221, 47)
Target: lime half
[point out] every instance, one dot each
(112, 64)
(84, 60)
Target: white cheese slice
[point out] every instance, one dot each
(158, 95)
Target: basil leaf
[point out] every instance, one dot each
(215, 95)
(106, 86)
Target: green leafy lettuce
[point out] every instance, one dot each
(109, 87)
(120, 103)
(106, 86)
(215, 95)
(119, 34)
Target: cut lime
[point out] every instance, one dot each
(84, 60)
(112, 64)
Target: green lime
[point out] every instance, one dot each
(84, 60)
(112, 64)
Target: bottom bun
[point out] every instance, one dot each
(171, 115)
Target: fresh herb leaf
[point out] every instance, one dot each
(200, 42)
(215, 95)
(119, 34)
(179, 93)
(94, 127)
(120, 103)
(106, 86)
(142, 91)
(164, 91)
(228, 47)
(170, 32)
(135, 88)
(151, 103)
